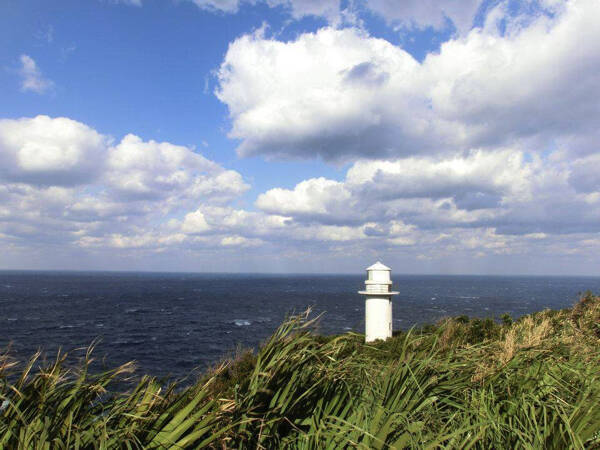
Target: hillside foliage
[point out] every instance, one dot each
(462, 383)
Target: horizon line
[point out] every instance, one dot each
(293, 273)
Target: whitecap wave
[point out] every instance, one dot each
(241, 322)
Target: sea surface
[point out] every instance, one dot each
(171, 323)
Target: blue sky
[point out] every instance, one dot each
(146, 70)
(296, 135)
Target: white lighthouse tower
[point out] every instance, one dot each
(378, 303)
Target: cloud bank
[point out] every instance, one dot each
(63, 182)
(487, 149)
(340, 94)
(65, 185)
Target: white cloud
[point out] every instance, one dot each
(317, 196)
(329, 9)
(63, 182)
(341, 94)
(50, 151)
(427, 13)
(231, 221)
(229, 6)
(45, 151)
(478, 172)
(239, 241)
(399, 14)
(509, 190)
(195, 223)
(469, 185)
(152, 170)
(480, 204)
(149, 240)
(31, 76)
(306, 98)
(480, 151)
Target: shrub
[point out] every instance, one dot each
(462, 383)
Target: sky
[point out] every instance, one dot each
(439, 136)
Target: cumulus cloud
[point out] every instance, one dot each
(50, 151)
(483, 175)
(488, 147)
(147, 196)
(156, 198)
(158, 170)
(340, 94)
(313, 197)
(510, 191)
(63, 182)
(31, 76)
(195, 223)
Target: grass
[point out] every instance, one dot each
(462, 383)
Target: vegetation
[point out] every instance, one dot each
(463, 383)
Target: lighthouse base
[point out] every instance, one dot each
(378, 318)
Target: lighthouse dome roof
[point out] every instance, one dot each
(378, 266)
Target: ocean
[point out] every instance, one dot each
(171, 323)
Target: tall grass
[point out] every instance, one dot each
(531, 383)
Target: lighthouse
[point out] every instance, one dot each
(378, 302)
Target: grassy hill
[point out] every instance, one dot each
(462, 383)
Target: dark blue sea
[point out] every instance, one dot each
(172, 323)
